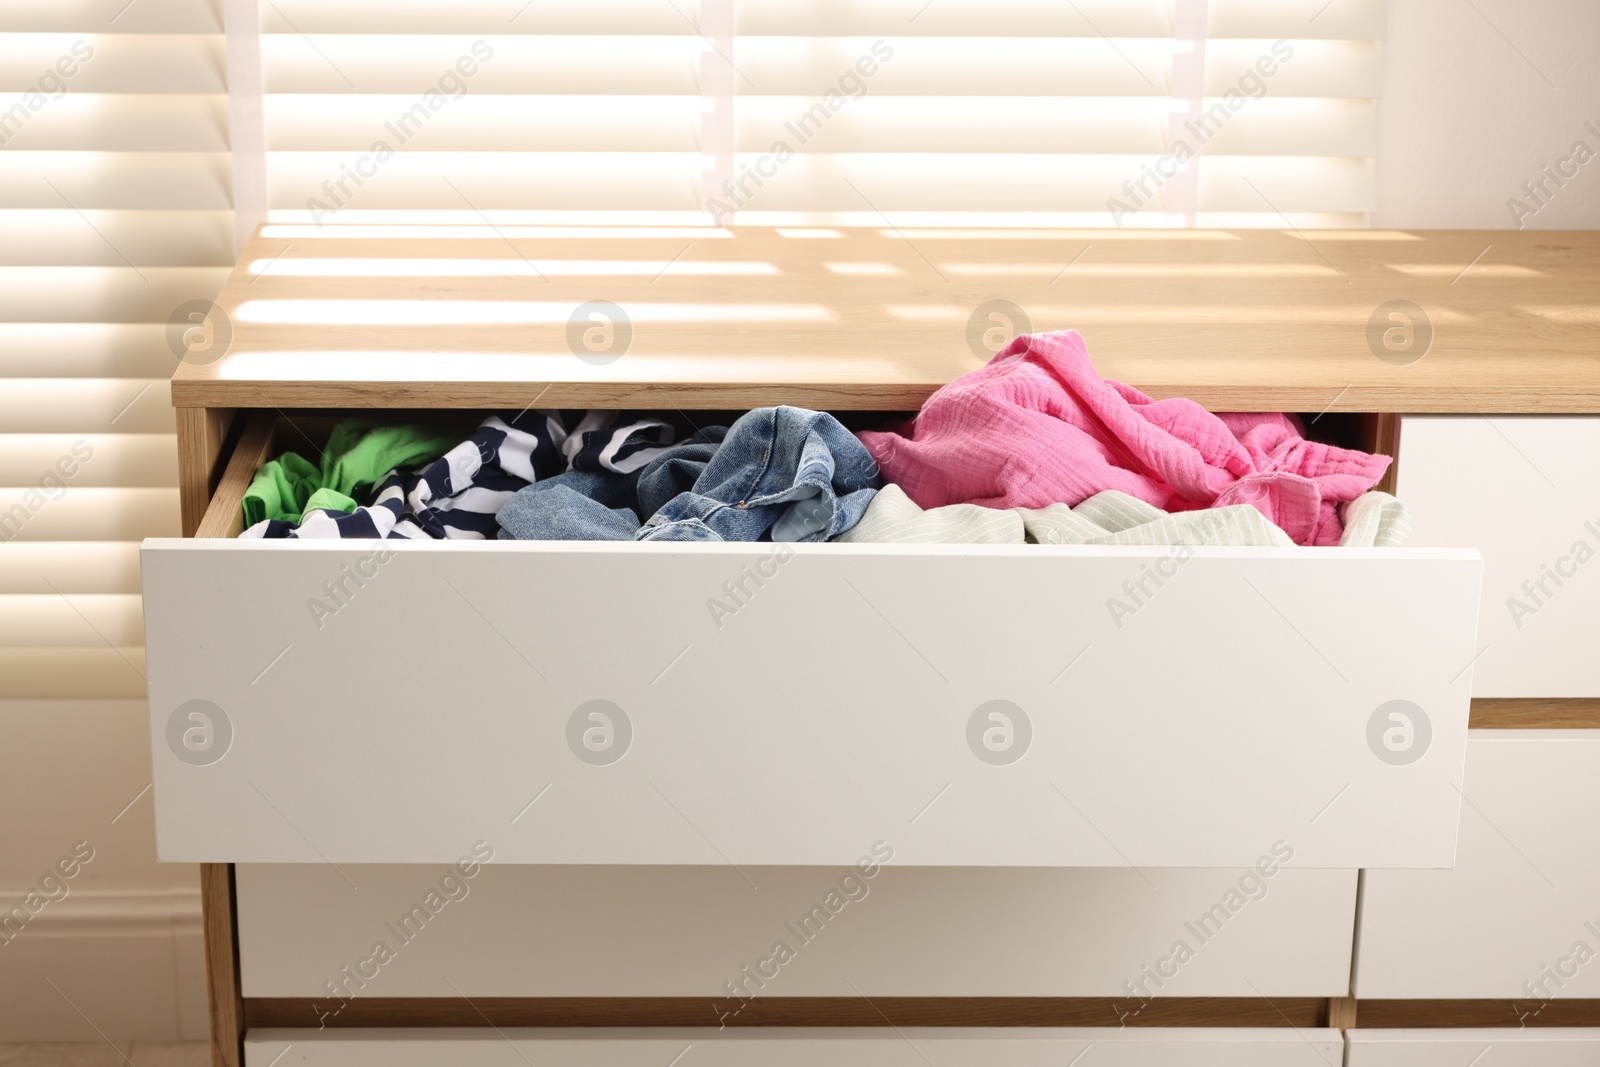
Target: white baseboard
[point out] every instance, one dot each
(107, 913)
(127, 963)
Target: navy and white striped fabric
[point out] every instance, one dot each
(458, 494)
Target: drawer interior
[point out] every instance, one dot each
(260, 435)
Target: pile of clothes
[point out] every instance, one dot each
(1033, 447)
(783, 473)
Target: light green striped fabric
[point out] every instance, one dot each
(1109, 518)
(1375, 520)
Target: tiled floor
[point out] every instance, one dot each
(142, 1054)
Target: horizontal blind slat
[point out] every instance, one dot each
(957, 125)
(87, 405)
(72, 673)
(428, 17)
(378, 63)
(924, 182)
(482, 122)
(85, 350)
(1300, 220)
(70, 566)
(957, 18)
(89, 515)
(70, 621)
(123, 122)
(552, 180)
(950, 66)
(114, 238)
(118, 64)
(1350, 19)
(1289, 184)
(85, 460)
(140, 181)
(102, 294)
(108, 16)
(1316, 68)
(1298, 127)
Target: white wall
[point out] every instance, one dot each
(1465, 119)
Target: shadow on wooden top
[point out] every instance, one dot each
(877, 318)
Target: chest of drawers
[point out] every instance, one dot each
(1168, 831)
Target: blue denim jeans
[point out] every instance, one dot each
(788, 474)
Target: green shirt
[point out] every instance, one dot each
(359, 454)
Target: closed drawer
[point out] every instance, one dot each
(756, 704)
(1519, 916)
(785, 1047)
(1525, 492)
(697, 931)
(1480, 1048)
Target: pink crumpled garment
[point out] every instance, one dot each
(1038, 426)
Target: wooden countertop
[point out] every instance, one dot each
(877, 318)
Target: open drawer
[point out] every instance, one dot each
(807, 704)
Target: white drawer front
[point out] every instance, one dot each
(696, 931)
(962, 705)
(788, 1047)
(1479, 1048)
(1525, 492)
(1525, 894)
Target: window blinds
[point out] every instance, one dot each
(115, 208)
(766, 112)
